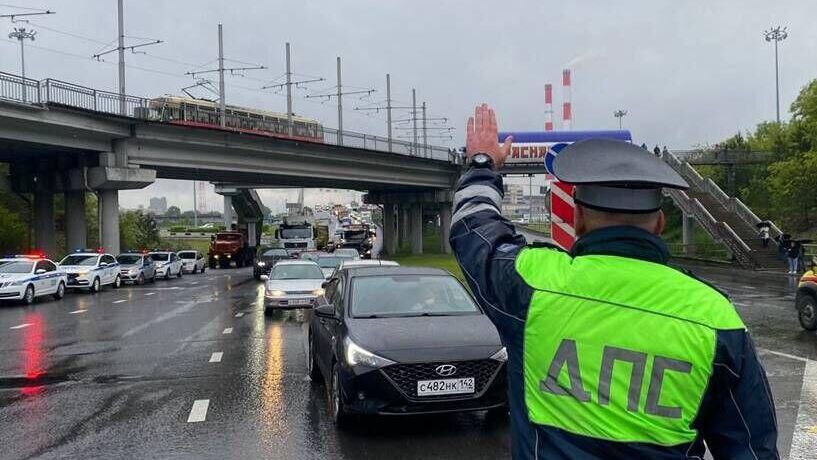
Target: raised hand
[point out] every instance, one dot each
(481, 136)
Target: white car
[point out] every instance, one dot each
(293, 284)
(28, 277)
(167, 264)
(192, 261)
(91, 270)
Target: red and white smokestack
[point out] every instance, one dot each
(548, 107)
(567, 108)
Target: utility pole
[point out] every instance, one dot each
(388, 108)
(340, 107)
(288, 85)
(120, 49)
(339, 93)
(425, 132)
(414, 115)
(222, 96)
(222, 99)
(620, 114)
(777, 35)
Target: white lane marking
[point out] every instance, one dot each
(785, 355)
(804, 440)
(216, 357)
(228, 330)
(239, 314)
(20, 326)
(150, 293)
(81, 310)
(198, 413)
(120, 301)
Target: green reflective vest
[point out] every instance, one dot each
(616, 348)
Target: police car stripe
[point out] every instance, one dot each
(474, 191)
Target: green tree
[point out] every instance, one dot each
(791, 185)
(137, 230)
(173, 212)
(12, 232)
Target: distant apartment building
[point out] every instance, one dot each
(158, 205)
(513, 204)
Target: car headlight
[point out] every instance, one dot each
(275, 293)
(132, 271)
(318, 292)
(16, 283)
(229, 256)
(262, 264)
(501, 355)
(357, 356)
(82, 273)
(215, 256)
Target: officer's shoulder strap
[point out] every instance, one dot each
(542, 265)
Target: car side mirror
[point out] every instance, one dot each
(325, 311)
(325, 285)
(39, 271)
(264, 277)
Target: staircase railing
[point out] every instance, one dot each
(720, 231)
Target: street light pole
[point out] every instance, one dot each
(21, 34)
(121, 47)
(620, 114)
(777, 35)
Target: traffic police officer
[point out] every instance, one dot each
(612, 353)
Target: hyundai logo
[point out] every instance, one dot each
(446, 370)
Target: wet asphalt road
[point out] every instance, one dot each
(119, 374)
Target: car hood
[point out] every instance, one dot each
(130, 266)
(14, 276)
(294, 285)
(427, 338)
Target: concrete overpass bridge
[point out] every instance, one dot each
(64, 138)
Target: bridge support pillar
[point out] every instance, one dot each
(44, 230)
(445, 227)
(76, 228)
(389, 229)
(403, 223)
(688, 234)
(228, 212)
(416, 228)
(109, 220)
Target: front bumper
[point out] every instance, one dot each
(375, 392)
(290, 301)
(128, 277)
(189, 268)
(12, 292)
(78, 281)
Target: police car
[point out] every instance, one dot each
(193, 261)
(27, 277)
(91, 270)
(167, 264)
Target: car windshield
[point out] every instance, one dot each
(129, 259)
(296, 272)
(330, 262)
(76, 259)
(16, 267)
(275, 253)
(187, 255)
(288, 233)
(163, 257)
(409, 295)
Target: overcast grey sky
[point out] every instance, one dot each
(688, 72)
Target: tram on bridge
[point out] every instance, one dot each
(205, 114)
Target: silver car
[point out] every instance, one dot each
(292, 284)
(136, 268)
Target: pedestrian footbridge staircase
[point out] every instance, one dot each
(727, 219)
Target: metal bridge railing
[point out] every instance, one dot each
(50, 91)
